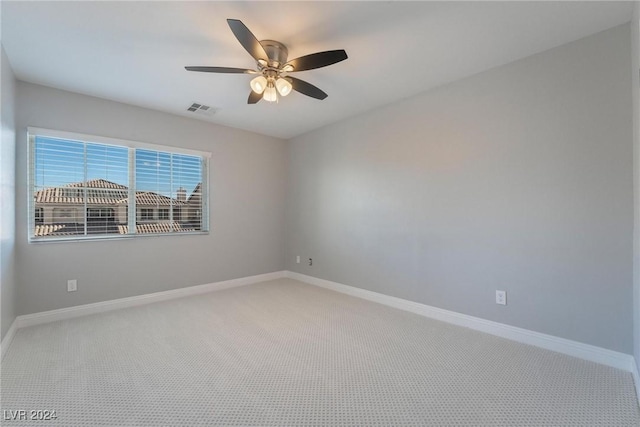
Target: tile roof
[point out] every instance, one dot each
(101, 192)
(57, 230)
(196, 193)
(42, 230)
(99, 183)
(155, 228)
(148, 198)
(66, 195)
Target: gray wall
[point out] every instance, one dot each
(635, 70)
(247, 185)
(7, 196)
(519, 178)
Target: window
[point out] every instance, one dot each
(146, 214)
(163, 214)
(99, 213)
(87, 187)
(39, 216)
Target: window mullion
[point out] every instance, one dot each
(86, 195)
(171, 222)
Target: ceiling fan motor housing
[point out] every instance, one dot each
(276, 51)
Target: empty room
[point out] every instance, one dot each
(320, 213)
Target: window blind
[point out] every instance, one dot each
(82, 189)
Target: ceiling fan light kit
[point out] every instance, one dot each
(269, 94)
(273, 66)
(259, 84)
(284, 86)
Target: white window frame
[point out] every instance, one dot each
(33, 132)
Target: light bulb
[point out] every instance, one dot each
(284, 86)
(259, 84)
(287, 68)
(270, 94)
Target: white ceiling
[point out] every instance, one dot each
(134, 52)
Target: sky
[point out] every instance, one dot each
(59, 162)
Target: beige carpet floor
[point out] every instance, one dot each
(285, 353)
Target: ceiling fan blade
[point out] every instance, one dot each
(220, 70)
(317, 60)
(306, 88)
(254, 97)
(247, 39)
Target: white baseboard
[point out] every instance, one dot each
(99, 307)
(549, 342)
(6, 341)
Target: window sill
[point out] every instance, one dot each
(75, 239)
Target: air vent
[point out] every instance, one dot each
(201, 109)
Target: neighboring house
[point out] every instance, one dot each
(61, 210)
(194, 205)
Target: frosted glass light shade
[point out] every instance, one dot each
(270, 94)
(259, 84)
(283, 86)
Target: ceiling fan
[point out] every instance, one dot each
(273, 67)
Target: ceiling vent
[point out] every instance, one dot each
(198, 108)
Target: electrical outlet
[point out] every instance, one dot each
(72, 285)
(298, 259)
(310, 261)
(501, 297)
